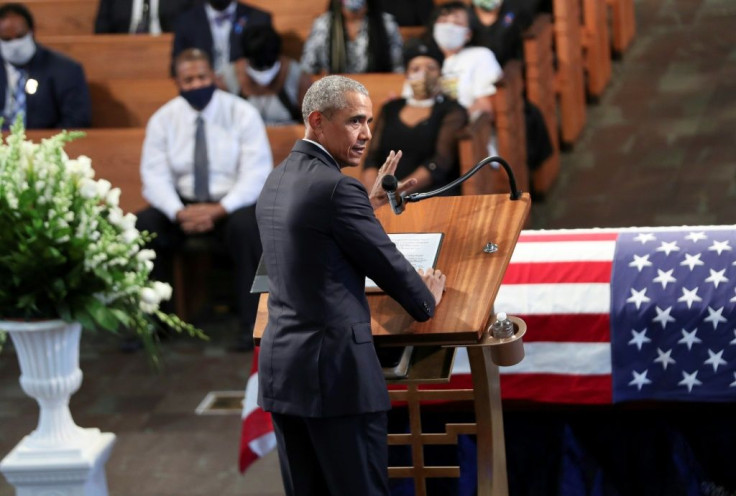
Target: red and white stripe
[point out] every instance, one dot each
(257, 437)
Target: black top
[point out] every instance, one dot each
(503, 37)
(410, 12)
(431, 143)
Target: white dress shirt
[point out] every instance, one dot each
(220, 35)
(237, 148)
(154, 25)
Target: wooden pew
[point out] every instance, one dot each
(569, 81)
(116, 56)
(539, 65)
(596, 46)
(128, 102)
(508, 107)
(623, 24)
(63, 17)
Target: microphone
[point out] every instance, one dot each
(390, 184)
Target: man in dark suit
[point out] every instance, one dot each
(46, 87)
(319, 375)
(139, 16)
(215, 27)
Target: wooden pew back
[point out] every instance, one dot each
(63, 17)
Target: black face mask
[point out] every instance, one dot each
(200, 97)
(219, 4)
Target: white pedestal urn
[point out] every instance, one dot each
(58, 458)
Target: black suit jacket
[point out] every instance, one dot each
(320, 239)
(113, 16)
(193, 29)
(61, 99)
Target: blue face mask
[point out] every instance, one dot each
(200, 97)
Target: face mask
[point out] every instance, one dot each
(488, 5)
(450, 36)
(219, 4)
(18, 51)
(200, 97)
(265, 76)
(353, 5)
(423, 87)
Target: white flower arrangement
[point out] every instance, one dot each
(67, 250)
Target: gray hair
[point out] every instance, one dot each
(328, 94)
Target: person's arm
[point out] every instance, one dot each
(255, 161)
(362, 239)
(159, 187)
(485, 75)
(75, 106)
(437, 171)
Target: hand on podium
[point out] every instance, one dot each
(435, 281)
(377, 195)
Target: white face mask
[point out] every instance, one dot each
(18, 51)
(264, 77)
(450, 36)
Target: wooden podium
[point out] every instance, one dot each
(474, 275)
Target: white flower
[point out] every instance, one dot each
(130, 235)
(103, 187)
(149, 300)
(163, 290)
(128, 222)
(80, 167)
(146, 255)
(115, 216)
(88, 188)
(113, 197)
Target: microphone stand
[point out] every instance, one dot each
(515, 193)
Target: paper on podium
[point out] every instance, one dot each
(420, 249)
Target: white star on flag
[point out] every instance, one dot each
(638, 297)
(639, 338)
(689, 338)
(689, 296)
(692, 260)
(663, 316)
(717, 277)
(733, 384)
(640, 262)
(645, 237)
(715, 317)
(664, 277)
(640, 379)
(715, 359)
(696, 236)
(734, 298)
(689, 380)
(719, 246)
(733, 341)
(664, 358)
(667, 247)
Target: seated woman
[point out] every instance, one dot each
(354, 36)
(274, 84)
(424, 126)
(469, 73)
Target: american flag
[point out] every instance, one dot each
(565, 283)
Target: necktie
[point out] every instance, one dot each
(18, 104)
(143, 24)
(201, 165)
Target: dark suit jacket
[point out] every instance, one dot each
(61, 98)
(320, 239)
(193, 29)
(113, 16)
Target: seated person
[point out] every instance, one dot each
(214, 27)
(469, 73)
(354, 36)
(424, 126)
(498, 25)
(139, 16)
(205, 158)
(47, 88)
(274, 84)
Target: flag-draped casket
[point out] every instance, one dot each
(612, 315)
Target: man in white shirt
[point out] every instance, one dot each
(205, 158)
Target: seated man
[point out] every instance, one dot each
(143, 16)
(205, 158)
(46, 87)
(215, 26)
